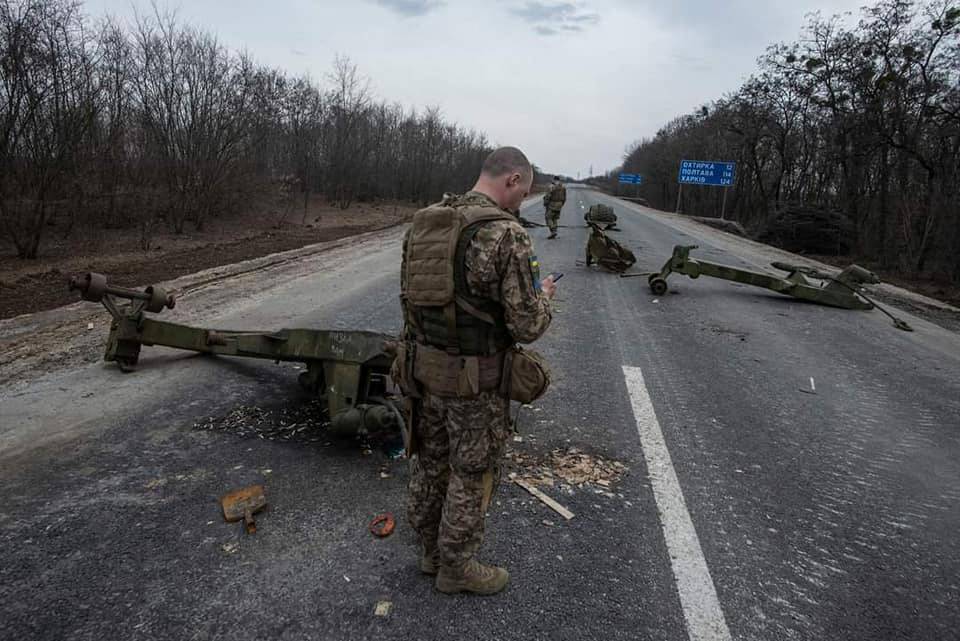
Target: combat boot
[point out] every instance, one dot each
(429, 559)
(553, 234)
(473, 577)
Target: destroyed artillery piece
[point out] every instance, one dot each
(348, 370)
(606, 252)
(601, 216)
(843, 290)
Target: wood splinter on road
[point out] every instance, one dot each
(546, 500)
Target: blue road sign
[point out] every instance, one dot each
(631, 179)
(698, 172)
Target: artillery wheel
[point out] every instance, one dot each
(658, 286)
(92, 286)
(159, 299)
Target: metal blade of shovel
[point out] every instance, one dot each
(241, 505)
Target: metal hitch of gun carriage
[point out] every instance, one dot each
(348, 370)
(840, 290)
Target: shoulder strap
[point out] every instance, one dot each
(473, 215)
(474, 306)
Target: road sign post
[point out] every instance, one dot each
(704, 172)
(631, 179)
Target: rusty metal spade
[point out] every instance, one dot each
(241, 505)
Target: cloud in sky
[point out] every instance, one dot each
(571, 82)
(550, 18)
(410, 8)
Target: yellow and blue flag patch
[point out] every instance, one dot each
(535, 272)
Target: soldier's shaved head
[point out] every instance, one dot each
(506, 177)
(506, 160)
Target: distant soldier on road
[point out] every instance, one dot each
(470, 290)
(553, 201)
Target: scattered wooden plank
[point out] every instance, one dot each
(546, 500)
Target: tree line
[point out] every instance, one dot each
(861, 120)
(157, 123)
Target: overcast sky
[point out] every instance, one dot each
(570, 83)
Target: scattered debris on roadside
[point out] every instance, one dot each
(729, 332)
(383, 525)
(242, 504)
(813, 388)
(303, 423)
(543, 498)
(383, 608)
(300, 423)
(568, 466)
(155, 484)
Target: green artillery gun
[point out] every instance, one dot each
(841, 290)
(601, 216)
(607, 252)
(348, 370)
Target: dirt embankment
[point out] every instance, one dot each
(32, 286)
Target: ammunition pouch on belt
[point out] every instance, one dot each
(456, 375)
(526, 376)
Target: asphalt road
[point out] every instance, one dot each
(803, 479)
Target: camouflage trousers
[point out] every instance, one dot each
(553, 218)
(455, 470)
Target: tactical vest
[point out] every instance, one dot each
(438, 306)
(558, 195)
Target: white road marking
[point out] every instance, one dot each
(698, 595)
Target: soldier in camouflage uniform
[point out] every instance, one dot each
(460, 421)
(553, 201)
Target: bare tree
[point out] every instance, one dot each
(49, 107)
(863, 120)
(159, 122)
